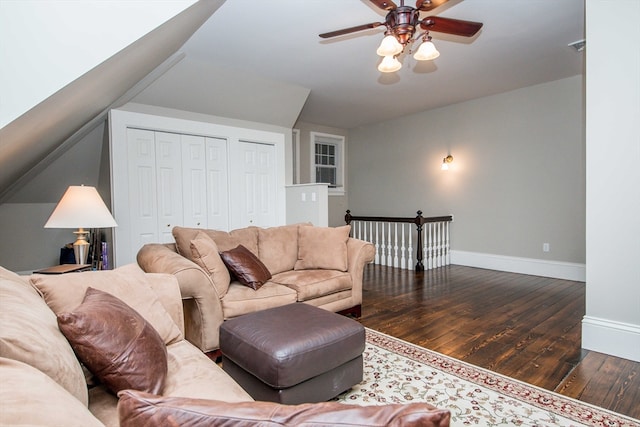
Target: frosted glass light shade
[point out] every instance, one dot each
(426, 51)
(389, 46)
(81, 207)
(389, 64)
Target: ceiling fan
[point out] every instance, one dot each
(402, 23)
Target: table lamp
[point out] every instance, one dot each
(81, 207)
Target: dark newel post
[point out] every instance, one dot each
(419, 221)
(347, 217)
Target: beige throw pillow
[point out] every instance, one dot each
(323, 248)
(64, 292)
(204, 252)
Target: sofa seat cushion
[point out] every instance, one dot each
(192, 374)
(30, 334)
(310, 284)
(103, 404)
(241, 300)
(28, 397)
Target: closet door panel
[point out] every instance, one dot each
(169, 184)
(194, 183)
(142, 187)
(217, 183)
(253, 183)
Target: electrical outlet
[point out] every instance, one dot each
(546, 247)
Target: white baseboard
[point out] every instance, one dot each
(536, 267)
(611, 337)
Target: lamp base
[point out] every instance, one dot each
(81, 246)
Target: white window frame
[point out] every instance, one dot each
(339, 142)
(295, 136)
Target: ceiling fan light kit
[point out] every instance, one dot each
(389, 46)
(389, 64)
(401, 24)
(427, 51)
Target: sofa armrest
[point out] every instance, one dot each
(359, 253)
(202, 307)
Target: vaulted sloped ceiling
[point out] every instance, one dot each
(33, 140)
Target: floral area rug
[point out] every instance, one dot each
(396, 371)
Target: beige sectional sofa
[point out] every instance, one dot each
(43, 382)
(137, 369)
(321, 266)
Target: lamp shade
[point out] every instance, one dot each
(81, 207)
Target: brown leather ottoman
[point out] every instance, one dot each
(293, 354)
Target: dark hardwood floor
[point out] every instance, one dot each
(526, 327)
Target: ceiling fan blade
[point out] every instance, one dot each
(351, 30)
(427, 5)
(384, 4)
(457, 27)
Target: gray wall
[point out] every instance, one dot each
(26, 245)
(517, 179)
(338, 204)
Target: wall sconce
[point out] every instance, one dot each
(446, 161)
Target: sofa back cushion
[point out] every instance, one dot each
(323, 248)
(28, 397)
(278, 247)
(30, 334)
(247, 237)
(64, 292)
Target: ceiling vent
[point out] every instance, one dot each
(578, 45)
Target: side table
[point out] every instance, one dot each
(64, 268)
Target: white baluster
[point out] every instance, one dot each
(395, 246)
(377, 260)
(426, 253)
(410, 263)
(447, 259)
(389, 247)
(436, 259)
(403, 260)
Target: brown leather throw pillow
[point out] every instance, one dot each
(116, 343)
(246, 267)
(143, 409)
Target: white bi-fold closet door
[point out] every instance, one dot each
(169, 171)
(175, 179)
(253, 185)
(194, 181)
